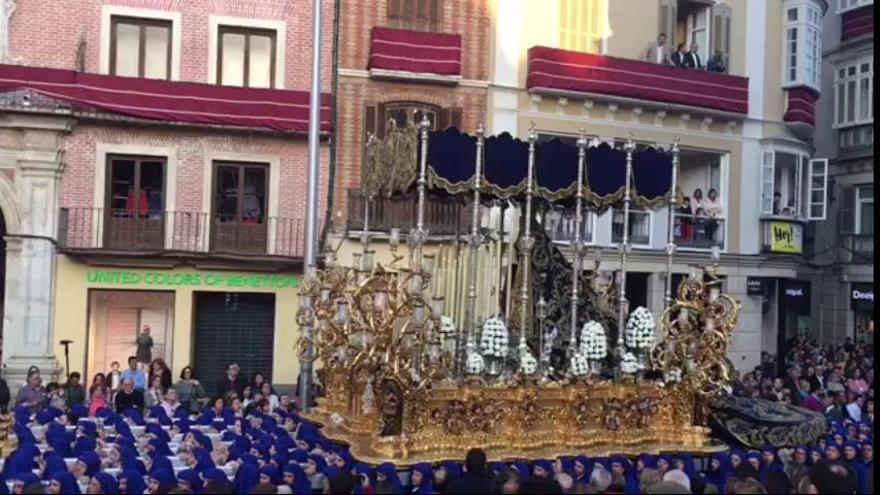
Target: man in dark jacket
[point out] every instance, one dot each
(476, 478)
(233, 382)
(127, 397)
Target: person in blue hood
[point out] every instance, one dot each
(421, 479)
(293, 476)
(246, 478)
(582, 470)
(131, 482)
(104, 484)
(63, 482)
(542, 468)
(387, 480)
(189, 479)
(718, 472)
(164, 481)
(52, 463)
(851, 459)
(620, 466)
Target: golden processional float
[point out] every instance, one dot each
(404, 383)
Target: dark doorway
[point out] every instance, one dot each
(637, 289)
(233, 327)
(794, 317)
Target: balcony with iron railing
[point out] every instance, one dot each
(99, 230)
(698, 232)
(443, 217)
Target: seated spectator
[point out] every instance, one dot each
(716, 62)
(32, 395)
(127, 397)
(73, 390)
(856, 382)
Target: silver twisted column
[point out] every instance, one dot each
(670, 241)
(473, 253)
(578, 244)
(527, 242)
(624, 245)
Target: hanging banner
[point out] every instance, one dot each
(786, 237)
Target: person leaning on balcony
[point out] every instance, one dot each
(657, 51)
(678, 58)
(716, 63)
(712, 205)
(692, 58)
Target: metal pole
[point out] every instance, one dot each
(578, 244)
(310, 261)
(670, 241)
(624, 245)
(526, 242)
(473, 246)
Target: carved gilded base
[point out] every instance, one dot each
(527, 421)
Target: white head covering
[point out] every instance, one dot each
(678, 476)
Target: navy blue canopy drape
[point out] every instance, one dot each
(451, 157)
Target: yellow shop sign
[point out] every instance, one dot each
(786, 237)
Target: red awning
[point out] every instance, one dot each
(801, 106)
(415, 51)
(170, 101)
(563, 70)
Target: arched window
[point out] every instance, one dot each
(417, 15)
(377, 116)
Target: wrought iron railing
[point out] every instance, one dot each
(120, 230)
(693, 231)
(442, 216)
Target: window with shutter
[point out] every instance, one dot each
(721, 32)
(848, 210)
(581, 24)
(668, 21)
(417, 15)
(767, 186)
(817, 189)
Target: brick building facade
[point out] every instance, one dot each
(158, 213)
(367, 96)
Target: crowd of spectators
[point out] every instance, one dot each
(250, 440)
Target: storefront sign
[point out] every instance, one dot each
(164, 279)
(756, 286)
(862, 297)
(786, 237)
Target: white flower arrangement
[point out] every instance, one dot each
(629, 364)
(640, 329)
(580, 365)
(528, 365)
(447, 327)
(672, 376)
(495, 339)
(475, 364)
(594, 342)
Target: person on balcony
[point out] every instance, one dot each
(680, 54)
(716, 63)
(692, 58)
(657, 51)
(713, 208)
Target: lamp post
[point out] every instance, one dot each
(310, 261)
